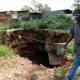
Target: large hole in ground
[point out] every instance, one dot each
(38, 58)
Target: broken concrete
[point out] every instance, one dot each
(32, 41)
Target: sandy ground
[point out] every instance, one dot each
(15, 67)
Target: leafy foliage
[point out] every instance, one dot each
(4, 50)
(59, 73)
(60, 21)
(69, 49)
(10, 25)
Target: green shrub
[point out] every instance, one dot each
(4, 26)
(69, 49)
(59, 73)
(49, 21)
(10, 25)
(4, 50)
(15, 24)
(61, 21)
(24, 24)
(33, 24)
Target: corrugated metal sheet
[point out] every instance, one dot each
(23, 15)
(3, 16)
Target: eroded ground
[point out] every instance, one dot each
(15, 67)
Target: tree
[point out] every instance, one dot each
(34, 3)
(43, 8)
(39, 7)
(76, 4)
(46, 8)
(25, 7)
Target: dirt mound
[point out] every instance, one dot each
(15, 67)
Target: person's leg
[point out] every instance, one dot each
(74, 67)
(73, 70)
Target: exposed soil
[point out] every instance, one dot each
(15, 67)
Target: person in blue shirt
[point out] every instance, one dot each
(75, 34)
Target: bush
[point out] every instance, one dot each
(4, 26)
(15, 24)
(60, 22)
(50, 21)
(59, 73)
(10, 25)
(4, 50)
(33, 23)
(69, 49)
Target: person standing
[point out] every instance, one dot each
(74, 34)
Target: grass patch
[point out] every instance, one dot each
(5, 51)
(69, 49)
(59, 73)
